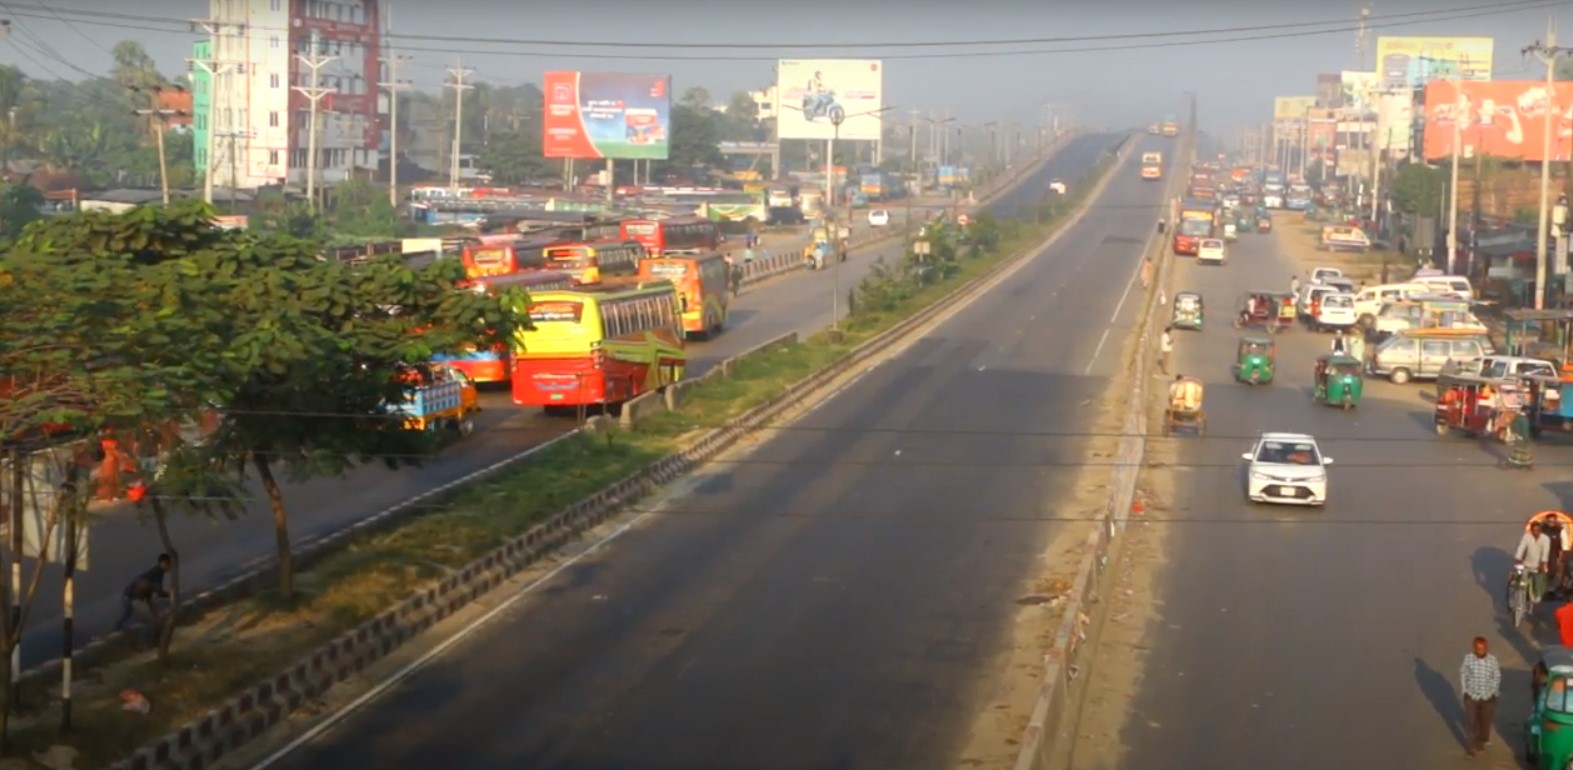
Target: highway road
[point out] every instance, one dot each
(215, 551)
(1306, 639)
(836, 598)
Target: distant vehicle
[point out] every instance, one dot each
(1154, 129)
(1057, 186)
(878, 218)
(1152, 165)
(1211, 251)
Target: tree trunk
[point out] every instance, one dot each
(166, 632)
(280, 525)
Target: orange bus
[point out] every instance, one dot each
(483, 366)
(589, 263)
(659, 236)
(702, 288)
(488, 259)
(590, 347)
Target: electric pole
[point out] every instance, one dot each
(1548, 52)
(216, 65)
(162, 117)
(458, 72)
(314, 61)
(394, 86)
(1460, 114)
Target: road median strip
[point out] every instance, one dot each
(369, 589)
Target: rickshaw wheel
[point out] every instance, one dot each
(1201, 426)
(1441, 428)
(1348, 404)
(1168, 422)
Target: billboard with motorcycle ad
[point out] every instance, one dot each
(817, 93)
(617, 115)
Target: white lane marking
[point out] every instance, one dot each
(416, 665)
(1135, 276)
(1096, 351)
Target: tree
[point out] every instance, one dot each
(361, 209)
(742, 118)
(514, 157)
(695, 134)
(1418, 189)
(134, 68)
(18, 208)
(696, 98)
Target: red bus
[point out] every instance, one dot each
(681, 234)
(494, 365)
(591, 263)
(488, 260)
(589, 347)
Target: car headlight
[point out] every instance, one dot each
(1260, 476)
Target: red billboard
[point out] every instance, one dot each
(592, 115)
(1501, 118)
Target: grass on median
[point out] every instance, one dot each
(235, 646)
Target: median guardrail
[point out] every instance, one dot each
(247, 715)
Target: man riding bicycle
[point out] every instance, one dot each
(1534, 552)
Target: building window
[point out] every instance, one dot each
(273, 119)
(273, 42)
(273, 157)
(273, 80)
(273, 5)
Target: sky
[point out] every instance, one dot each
(1125, 82)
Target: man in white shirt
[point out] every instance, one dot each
(1165, 347)
(1534, 552)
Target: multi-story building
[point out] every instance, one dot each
(258, 93)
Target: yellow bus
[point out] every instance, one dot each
(702, 287)
(592, 263)
(598, 347)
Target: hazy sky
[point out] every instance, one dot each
(1235, 81)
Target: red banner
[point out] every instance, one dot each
(1502, 119)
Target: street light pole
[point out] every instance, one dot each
(831, 236)
(1547, 53)
(1459, 117)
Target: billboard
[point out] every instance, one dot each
(1395, 123)
(1502, 119)
(1412, 62)
(1359, 91)
(1323, 129)
(813, 92)
(1329, 90)
(606, 115)
(1292, 107)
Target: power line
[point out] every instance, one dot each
(74, 28)
(469, 49)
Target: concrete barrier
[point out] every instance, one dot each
(641, 406)
(1046, 728)
(244, 717)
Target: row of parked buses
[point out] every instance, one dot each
(609, 319)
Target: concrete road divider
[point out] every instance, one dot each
(671, 397)
(246, 716)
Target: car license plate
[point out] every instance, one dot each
(1283, 491)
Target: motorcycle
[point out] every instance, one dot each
(823, 105)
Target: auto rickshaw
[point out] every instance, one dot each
(1185, 415)
(1187, 311)
(1264, 223)
(1255, 360)
(1548, 738)
(1231, 232)
(1338, 381)
(1245, 223)
(1271, 311)
(1471, 404)
(1549, 404)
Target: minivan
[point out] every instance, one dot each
(1369, 301)
(1446, 284)
(1424, 355)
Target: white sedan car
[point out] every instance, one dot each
(1211, 251)
(1057, 186)
(1286, 468)
(878, 218)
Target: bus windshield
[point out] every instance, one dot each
(1196, 227)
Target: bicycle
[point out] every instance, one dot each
(1519, 601)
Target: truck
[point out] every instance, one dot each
(1171, 127)
(439, 398)
(1298, 198)
(1196, 221)
(1152, 165)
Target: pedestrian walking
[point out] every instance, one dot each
(1480, 680)
(1146, 272)
(144, 588)
(734, 273)
(1165, 348)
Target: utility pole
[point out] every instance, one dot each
(1460, 114)
(1548, 53)
(216, 65)
(315, 61)
(394, 86)
(458, 72)
(162, 117)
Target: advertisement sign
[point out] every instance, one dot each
(1329, 90)
(1412, 62)
(606, 115)
(1324, 129)
(1292, 107)
(1395, 122)
(1359, 91)
(1503, 119)
(814, 93)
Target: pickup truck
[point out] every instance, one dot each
(442, 399)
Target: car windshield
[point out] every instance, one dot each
(1212, 244)
(1288, 453)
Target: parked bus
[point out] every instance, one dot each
(702, 288)
(598, 347)
(659, 236)
(493, 365)
(590, 263)
(489, 259)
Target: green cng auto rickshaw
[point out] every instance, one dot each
(1255, 359)
(1187, 311)
(1338, 381)
(1549, 737)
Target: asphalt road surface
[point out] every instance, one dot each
(831, 601)
(121, 546)
(1309, 639)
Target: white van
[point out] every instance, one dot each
(1369, 301)
(1455, 285)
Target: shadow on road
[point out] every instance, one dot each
(1438, 690)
